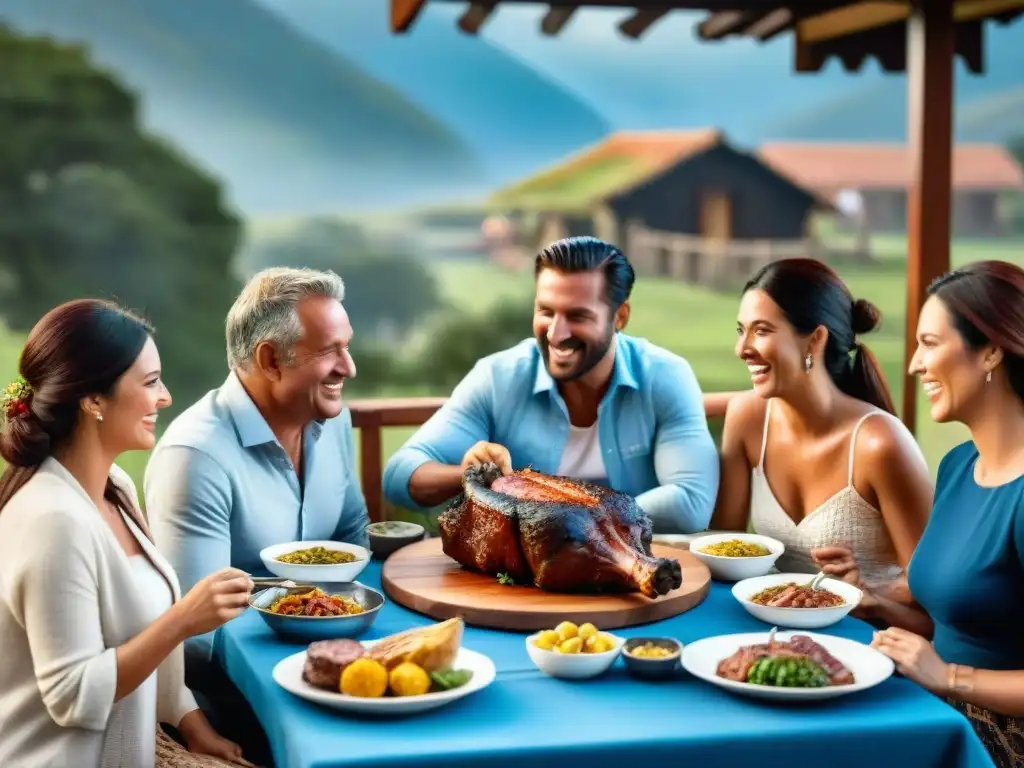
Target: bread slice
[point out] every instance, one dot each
(433, 647)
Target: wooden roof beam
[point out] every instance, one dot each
(771, 24)
(763, 24)
(642, 20)
(404, 13)
(860, 17)
(475, 16)
(556, 18)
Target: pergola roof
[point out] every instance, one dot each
(854, 32)
(848, 30)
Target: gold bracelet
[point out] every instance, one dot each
(955, 683)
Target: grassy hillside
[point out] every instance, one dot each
(513, 117)
(289, 124)
(986, 119)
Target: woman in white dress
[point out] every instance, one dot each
(91, 620)
(813, 456)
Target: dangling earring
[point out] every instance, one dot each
(988, 377)
(808, 362)
(99, 417)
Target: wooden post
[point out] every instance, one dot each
(371, 417)
(931, 38)
(372, 470)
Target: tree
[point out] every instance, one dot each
(388, 292)
(1016, 147)
(461, 339)
(91, 205)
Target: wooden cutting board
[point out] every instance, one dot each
(424, 579)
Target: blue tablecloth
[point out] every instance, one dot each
(527, 718)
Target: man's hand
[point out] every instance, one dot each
(484, 452)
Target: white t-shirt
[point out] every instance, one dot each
(582, 458)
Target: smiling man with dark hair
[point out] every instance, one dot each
(580, 399)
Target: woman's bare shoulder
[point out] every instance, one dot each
(885, 445)
(746, 413)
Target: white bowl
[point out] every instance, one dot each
(288, 674)
(869, 667)
(315, 573)
(574, 666)
(681, 540)
(799, 618)
(737, 568)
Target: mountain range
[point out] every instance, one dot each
(288, 124)
(669, 78)
(509, 114)
(313, 105)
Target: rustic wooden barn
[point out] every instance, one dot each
(877, 176)
(683, 204)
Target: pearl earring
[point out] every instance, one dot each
(808, 362)
(99, 417)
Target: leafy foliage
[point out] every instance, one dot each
(461, 339)
(388, 292)
(91, 205)
(1016, 147)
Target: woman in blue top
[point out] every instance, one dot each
(967, 573)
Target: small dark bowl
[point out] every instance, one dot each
(653, 669)
(399, 534)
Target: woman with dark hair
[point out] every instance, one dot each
(813, 456)
(91, 621)
(966, 579)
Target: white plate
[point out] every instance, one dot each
(315, 573)
(737, 568)
(869, 667)
(797, 618)
(288, 674)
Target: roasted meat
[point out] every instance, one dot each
(327, 659)
(561, 535)
(737, 667)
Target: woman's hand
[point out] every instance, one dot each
(840, 563)
(203, 740)
(915, 658)
(214, 601)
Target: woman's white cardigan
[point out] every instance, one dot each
(67, 601)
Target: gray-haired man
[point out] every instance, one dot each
(268, 457)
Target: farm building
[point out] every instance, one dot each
(682, 204)
(869, 182)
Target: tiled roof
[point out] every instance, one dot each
(828, 167)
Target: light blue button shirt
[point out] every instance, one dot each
(653, 432)
(219, 487)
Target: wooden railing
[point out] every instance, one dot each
(372, 415)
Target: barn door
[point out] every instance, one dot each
(715, 217)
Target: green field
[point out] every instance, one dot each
(693, 322)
